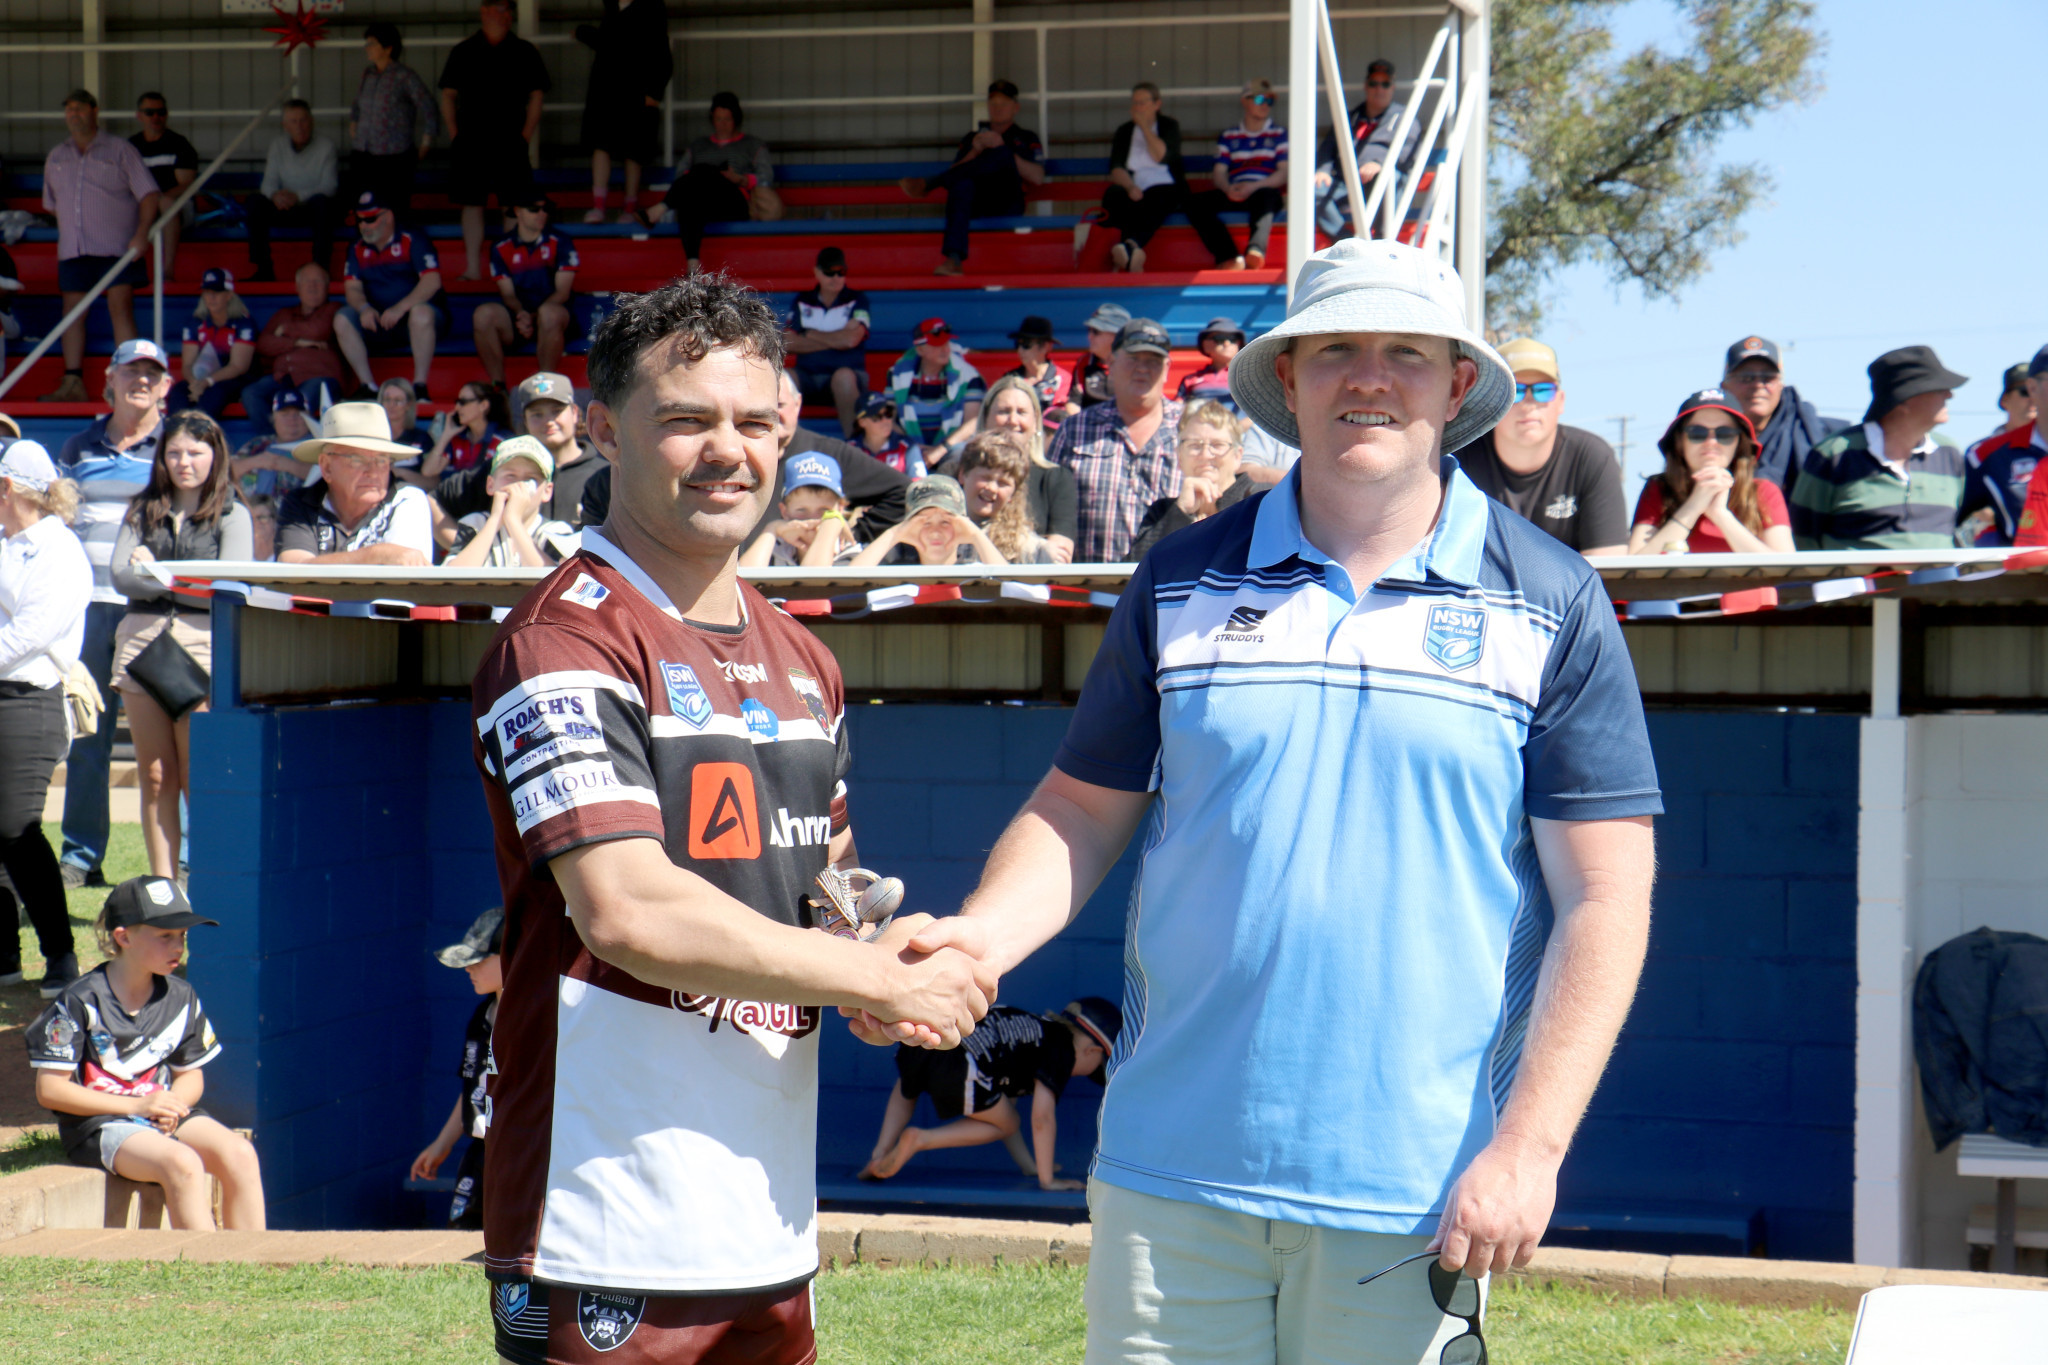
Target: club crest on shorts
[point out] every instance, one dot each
(812, 696)
(1455, 635)
(607, 1320)
(685, 694)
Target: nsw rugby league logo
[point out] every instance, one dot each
(685, 694)
(1455, 636)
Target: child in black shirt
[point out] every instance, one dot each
(1010, 1054)
(117, 1059)
(477, 954)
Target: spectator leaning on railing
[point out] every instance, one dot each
(1121, 452)
(514, 534)
(188, 511)
(45, 589)
(105, 200)
(392, 122)
(1894, 482)
(1999, 470)
(356, 514)
(1210, 452)
(173, 163)
(218, 349)
(1146, 178)
(491, 91)
(299, 351)
(994, 473)
(1787, 426)
(1708, 499)
(301, 187)
(1564, 479)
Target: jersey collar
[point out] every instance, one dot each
(1450, 553)
(594, 542)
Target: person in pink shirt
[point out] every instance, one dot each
(105, 200)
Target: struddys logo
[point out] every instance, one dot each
(1455, 636)
(754, 1016)
(1242, 627)
(549, 715)
(607, 1321)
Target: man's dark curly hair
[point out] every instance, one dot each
(701, 311)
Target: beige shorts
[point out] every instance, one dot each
(136, 631)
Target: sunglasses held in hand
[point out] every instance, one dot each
(1457, 1296)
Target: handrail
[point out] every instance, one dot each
(1385, 181)
(1340, 116)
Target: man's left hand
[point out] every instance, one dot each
(284, 199)
(1498, 1210)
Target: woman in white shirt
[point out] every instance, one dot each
(45, 587)
(1146, 179)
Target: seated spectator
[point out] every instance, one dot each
(301, 186)
(356, 514)
(1250, 174)
(392, 122)
(535, 271)
(871, 486)
(1998, 470)
(492, 86)
(1210, 451)
(988, 175)
(993, 472)
(1266, 458)
(467, 438)
(264, 466)
(402, 410)
(218, 350)
(935, 531)
(549, 414)
(392, 280)
(118, 1056)
(1373, 121)
(299, 351)
(938, 392)
(1121, 452)
(716, 179)
(1560, 478)
(1146, 178)
(1091, 371)
(1893, 483)
(188, 511)
(513, 534)
(105, 201)
(1786, 426)
(1051, 499)
(173, 163)
(974, 1087)
(880, 438)
(1708, 499)
(1220, 341)
(814, 530)
(622, 116)
(262, 525)
(1050, 384)
(478, 955)
(826, 330)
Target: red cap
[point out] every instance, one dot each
(931, 332)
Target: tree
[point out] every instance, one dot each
(1610, 161)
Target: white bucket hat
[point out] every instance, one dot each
(26, 463)
(360, 426)
(1369, 286)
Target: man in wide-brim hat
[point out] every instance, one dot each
(355, 514)
(1386, 740)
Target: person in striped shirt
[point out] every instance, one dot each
(1893, 483)
(1250, 174)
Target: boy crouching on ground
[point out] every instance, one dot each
(477, 954)
(513, 534)
(1011, 1053)
(813, 527)
(117, 1058)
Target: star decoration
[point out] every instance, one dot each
(304, 28)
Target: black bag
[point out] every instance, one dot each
(170, 675)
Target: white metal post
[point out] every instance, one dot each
(156, 247)
(94, 27)
(984, 63)
(1302, 23)
(1340, 116)
(1044, 95)
(1474, 56)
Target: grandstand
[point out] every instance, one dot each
(851, 97)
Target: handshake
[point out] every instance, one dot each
(936, 988)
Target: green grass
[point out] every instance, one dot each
(78, 1313)
(32, 1149)
(124, 859)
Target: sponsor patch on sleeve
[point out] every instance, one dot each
(586, 592)
(546, 725)
(570, 787)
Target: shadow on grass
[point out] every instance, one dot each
(31, 1150)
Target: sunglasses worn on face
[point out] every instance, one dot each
(1542, 393)
(1456, 1295)
(1260, 99)
(1379, 85)
(1725, 435)
(833, 274)
(154, 113)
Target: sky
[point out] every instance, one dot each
(1909, 195)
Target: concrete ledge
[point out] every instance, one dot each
(251, 1248)
(887, 1240)
(51, 1197)
(1627, 1273)
(1785, 1284)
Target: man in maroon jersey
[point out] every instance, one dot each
(663, 751)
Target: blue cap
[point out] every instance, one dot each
(217, 278)
(2039, 364)
(812, 470)
(875, 404)
(288, 398)
(368, 205)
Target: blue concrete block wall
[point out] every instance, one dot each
(338, 846)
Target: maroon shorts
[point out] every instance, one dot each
(536, 1324)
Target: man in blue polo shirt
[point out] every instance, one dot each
(1387, 747)
(392, 280)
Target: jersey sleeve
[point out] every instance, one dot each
(199, 1046)
(2033, 527)
(861, 312)
(412, 522)
(1587, 756)
(565, 734)
(244, 332)
(842, 763)
(1113, 740)
(348, 264)
(566, 258)
(423, 257)
(494, 261)
(56, 1040)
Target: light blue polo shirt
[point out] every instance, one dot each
(1335, 931)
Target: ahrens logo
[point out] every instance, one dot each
(799, 831)
(724, 816)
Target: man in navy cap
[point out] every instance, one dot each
(1786, 425)
(393, 286)
(1893, 483)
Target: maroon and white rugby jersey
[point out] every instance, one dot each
(644, 1140)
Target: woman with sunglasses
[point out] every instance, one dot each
(468, 437)
(1709, 500)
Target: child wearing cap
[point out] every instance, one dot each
(974, 1087)
(935, 531)
(117, 1058)
(478, 955)
(513, 533)
(880, 438)
(814, 529)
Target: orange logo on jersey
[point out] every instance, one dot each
(724, 817)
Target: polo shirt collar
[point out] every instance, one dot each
(1450, 553)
